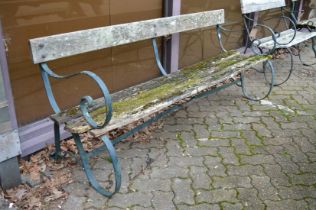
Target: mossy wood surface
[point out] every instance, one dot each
(286, 37)
(142, 100)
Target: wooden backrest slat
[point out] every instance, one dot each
(248, 6)
(63, 45)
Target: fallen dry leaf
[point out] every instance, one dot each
(54, 174)
(55, 194)
(20, 193)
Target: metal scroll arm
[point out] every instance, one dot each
(268, 68)
(292, 24)
(161, 68)
(219, 29)
(257, 42)
(85, 102)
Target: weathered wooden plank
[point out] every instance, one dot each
(62, 45)
(150, 97)
(285, 37)
(309, 22)
(249, 6)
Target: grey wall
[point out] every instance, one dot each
(9, 138)
(5, 124)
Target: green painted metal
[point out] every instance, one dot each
(158, 62)
(267, 66)
(86, 166)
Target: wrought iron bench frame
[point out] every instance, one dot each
(45, 49)
(251, 22)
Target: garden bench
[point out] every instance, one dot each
(154, 98)
(285, 40)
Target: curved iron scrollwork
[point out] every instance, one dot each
(86, 101)
(288, 51)
(219, 31)
(86, 166)
(255, 43)
(158, 62)
(292, 26)
(267, 66)
(310, 26)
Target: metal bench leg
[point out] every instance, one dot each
(314, 50)
(57, 153)
(278, 83)
(271, 82)
(87, 168)
(314, 45)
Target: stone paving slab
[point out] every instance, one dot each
(220, 152)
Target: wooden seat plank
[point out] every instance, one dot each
(153, 96)
(285, 37)
(249, 6)
(309, 22)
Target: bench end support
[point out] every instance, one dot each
(88, 171)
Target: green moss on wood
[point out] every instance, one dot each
(73, 111)
(172, 86)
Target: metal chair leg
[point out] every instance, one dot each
(87, 168)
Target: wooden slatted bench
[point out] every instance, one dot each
(278, 40)
(153, 98)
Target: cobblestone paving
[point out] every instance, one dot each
(219, 152)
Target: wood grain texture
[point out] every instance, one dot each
(63, 45)
(285, 37)
(158, 94)
(249, 6)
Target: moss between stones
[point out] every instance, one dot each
(146, 97)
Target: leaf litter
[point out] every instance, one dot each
(43, 178)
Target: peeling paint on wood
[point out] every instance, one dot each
(153, 96)
(63, 45)
(249, 6)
